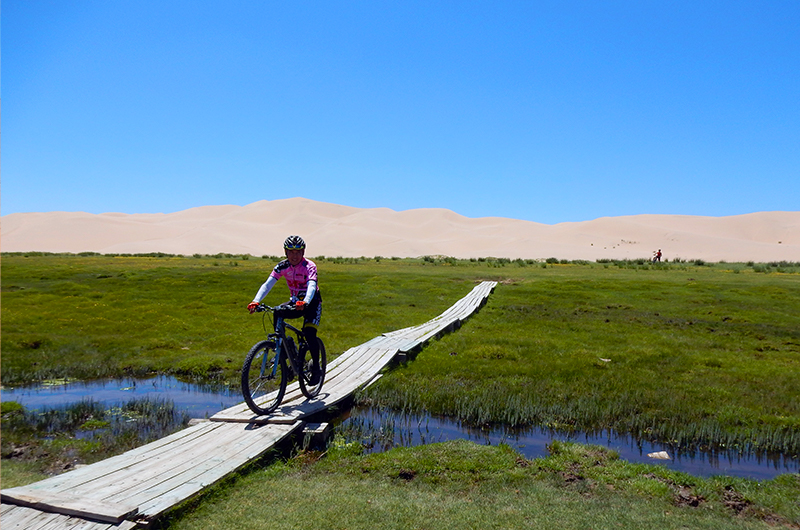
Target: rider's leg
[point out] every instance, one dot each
(312, 315)
(310, 333)
(311, 319)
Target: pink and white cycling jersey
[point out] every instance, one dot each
(297, 277)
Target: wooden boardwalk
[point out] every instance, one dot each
(133, 489)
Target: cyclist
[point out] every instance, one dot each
(301, 276)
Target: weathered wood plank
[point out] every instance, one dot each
(179, 463)
(209, 476)
(171, 462)
(100, 471)
(242, 413)
(295, 398)
(185, 462)
(198, 472)
(344, 390)
(94, 472)
(74, 505)
(226, 452)
(23, 518)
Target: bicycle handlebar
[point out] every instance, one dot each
(260, 308)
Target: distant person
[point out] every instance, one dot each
(301, 276)
(657, 256)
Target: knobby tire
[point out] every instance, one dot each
(255, 385)
(306, 387)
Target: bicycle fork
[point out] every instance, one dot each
(283, 346)
(272, 372)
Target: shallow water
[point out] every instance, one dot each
(200, 401)
(386, 429)
(409, 430)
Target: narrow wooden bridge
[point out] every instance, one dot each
(133, 489)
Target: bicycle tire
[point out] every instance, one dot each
(307, 364)
(263, 392)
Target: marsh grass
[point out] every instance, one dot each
(89, 317)
(460, 484)
(695, 358)
(54, 439)
(694, 354)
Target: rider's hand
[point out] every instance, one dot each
(252, 307)
(300, 304)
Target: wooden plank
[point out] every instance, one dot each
(368, 372)
(346, 389)
(120, 484)
(55, 521)
(193, 475)
(242, 413)
(295, 398)
(199, 471)
(332, 393)
(372, 381)
(328, 400)
(368, 361)
(340, 370)
(74, 505)
(210, 474)
(125, 483)
(354, 351)
(100, 471)
(52, 521)
(72, 479)
(23, 518)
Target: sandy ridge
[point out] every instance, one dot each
(334, 230)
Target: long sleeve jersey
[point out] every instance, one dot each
(301, 279)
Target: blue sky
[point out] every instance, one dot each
(548, 111)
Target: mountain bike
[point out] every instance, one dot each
(265, 372)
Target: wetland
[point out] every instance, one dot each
(700, 360)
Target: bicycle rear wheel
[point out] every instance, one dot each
(308, 386)
(263, 382)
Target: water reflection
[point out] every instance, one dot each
(199, 401)
(381, 429)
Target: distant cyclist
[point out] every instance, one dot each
(301, 276)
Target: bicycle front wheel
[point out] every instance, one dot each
(310, 384)
(263, 379)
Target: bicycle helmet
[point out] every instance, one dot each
(294, 243)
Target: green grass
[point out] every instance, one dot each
(701, 358)
(95, 316)
(694, 354)
(464, 485)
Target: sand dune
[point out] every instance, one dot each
(335, 230)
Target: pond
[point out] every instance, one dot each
(383, 429)
(199, 401)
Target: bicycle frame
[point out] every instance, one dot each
(280, 338)
(265, 365)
